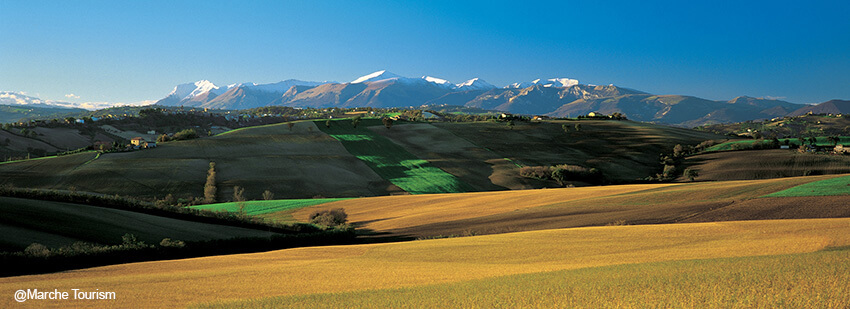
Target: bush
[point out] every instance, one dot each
(37, 250)
(536, 172)
(185, 134)
(333, 217)
(172, 243)
(563, 173)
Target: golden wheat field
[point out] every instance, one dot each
(511, 211)
(397, 265)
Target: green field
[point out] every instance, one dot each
(808, 280)
(821, 141)
(833, 186)
(264, 207)
(391, 161)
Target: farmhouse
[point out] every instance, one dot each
(137, 141)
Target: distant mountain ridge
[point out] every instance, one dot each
(557, 97)
(828, 107)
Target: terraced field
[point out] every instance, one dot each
(366, 268)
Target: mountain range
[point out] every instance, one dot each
(556, 97)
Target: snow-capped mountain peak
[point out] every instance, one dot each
(376, 76)
(475, 84)
(191, 90)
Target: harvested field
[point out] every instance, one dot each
(333, 269)
(502, 212)
(764, 164)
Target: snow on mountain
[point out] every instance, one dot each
(190, 90)
(552, 82)
(475, 84)
(279, 87)
(561, 82)
(376, 76)
(438, 81)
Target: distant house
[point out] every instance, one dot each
(538, 118)
(137, 141)
(841, 149)
(149, 144)
(596, 114)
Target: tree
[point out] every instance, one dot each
(209, 186)
(328, 123)
(566, 128)
(678, 151)
(355, 121)
(511, 124)
(162, 138)
(578, 127)
(691, 174)
(388, 122)
(268, 195)
(290, 125)
(238, 194)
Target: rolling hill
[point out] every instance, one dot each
(56, 224)
(306, 162)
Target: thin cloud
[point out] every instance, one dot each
(102, 105)
(72, 96)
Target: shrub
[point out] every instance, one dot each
(185, 134)
(37, 250)
(172, 243)
(333, 217)
(536, 172)
(564, 172)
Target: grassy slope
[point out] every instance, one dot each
(832, 186)
(500, 212)
(396, 265)
(301, 163)
(55, 224)
(392, 161)
(764, 164)
(805, 280)
(622, 150)
(253, 208)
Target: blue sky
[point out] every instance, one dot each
(123, 52)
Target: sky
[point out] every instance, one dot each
(124, 52)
